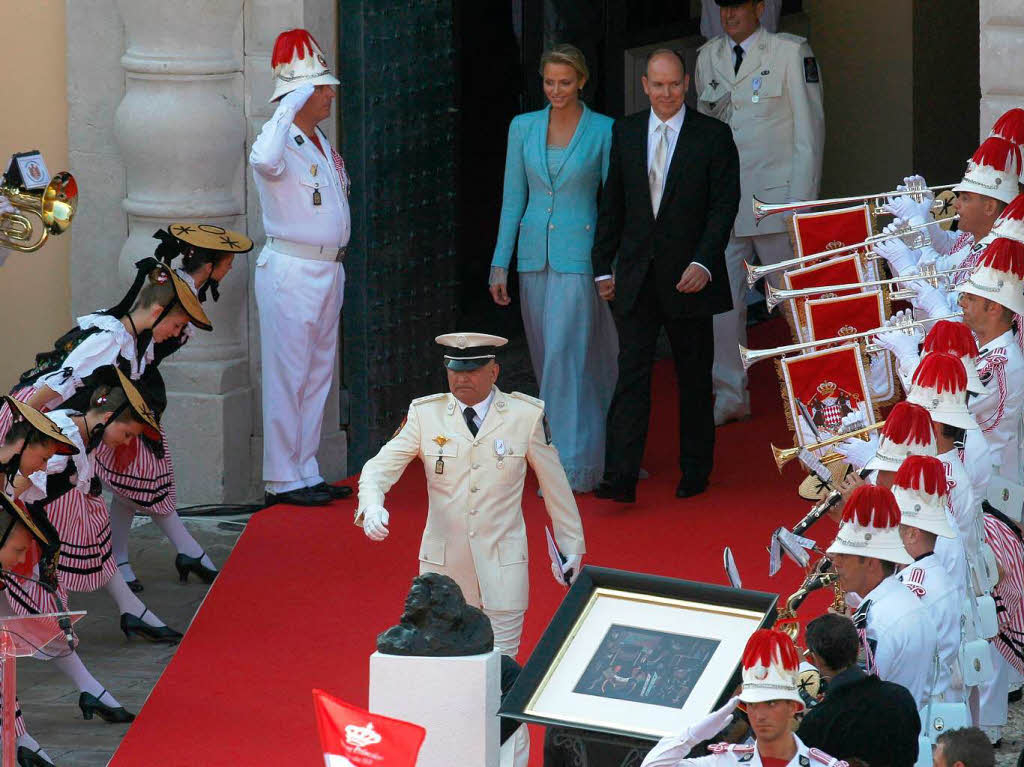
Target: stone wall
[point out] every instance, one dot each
(1001, 59)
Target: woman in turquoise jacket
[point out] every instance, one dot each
(557, 160)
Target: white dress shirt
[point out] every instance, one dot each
(289, 172)
(746, 45)
(479, 408)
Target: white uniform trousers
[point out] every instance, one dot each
(507, 626)
(993, 706)
(728, 375)
(299, 303)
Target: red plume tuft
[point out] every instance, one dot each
(872, 506)
(998, 153)
(1010, 126)
(1012, 212)
(290, 43)
(766, 646)
(908, 423)
(922, 472)
(1004, 255)
(942, 372)
(952, 337)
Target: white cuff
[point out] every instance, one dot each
(704, 268)
(602, 278)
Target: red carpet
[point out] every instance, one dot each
(304, 594)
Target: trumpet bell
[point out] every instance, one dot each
(54, 207)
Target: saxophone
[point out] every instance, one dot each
(822, 575)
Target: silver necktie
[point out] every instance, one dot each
(656, 175)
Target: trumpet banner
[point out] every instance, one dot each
(825, 230)
(837, 271)
(821, 388)
(845, 315)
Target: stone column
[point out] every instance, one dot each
(1001, 58)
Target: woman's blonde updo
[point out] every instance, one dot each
(570, 55)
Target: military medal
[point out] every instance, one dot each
(441, 442)
(316, 197)
(499, 451)
(313, 169)
(757, 87)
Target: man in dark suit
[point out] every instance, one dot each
(667, 208)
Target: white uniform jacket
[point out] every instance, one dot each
(672, 751)
(928, 581)
(773, 105)
(902, 637)
(475, 531)
(1001, 368)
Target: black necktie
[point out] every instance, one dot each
(469, 414)
(738, 50)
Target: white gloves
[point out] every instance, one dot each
(298, 97)
(930, 300)
(901, 258)
(901, 342)
(671, 750)
(573, 563)
(858, 451)
(906, 206)
(879, 381)
(5, 206)
(375, 522)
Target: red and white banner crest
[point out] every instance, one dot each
(353, 737)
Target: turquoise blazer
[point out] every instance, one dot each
(553, 218)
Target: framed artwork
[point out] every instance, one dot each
(822, 387)
(857, 313)
(636, 655)
(842, 270)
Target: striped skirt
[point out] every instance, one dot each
(1009, 592)
(136, 474)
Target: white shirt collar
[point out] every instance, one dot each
(675, 122)
(999, 342)
(480, 408)
(747, 44)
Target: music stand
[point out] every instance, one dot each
(21, 636)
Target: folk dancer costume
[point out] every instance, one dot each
(141, 474)
(770, 93)
(770, 673)
(300, 277)
(898, 634)
(920, 493)
(475, 531)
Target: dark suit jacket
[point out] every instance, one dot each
(864, 717)
(698, 207)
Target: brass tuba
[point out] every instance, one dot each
(53, 206)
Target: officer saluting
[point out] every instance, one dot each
(475, 443)
(767, 87)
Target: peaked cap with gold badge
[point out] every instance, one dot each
(469, 351)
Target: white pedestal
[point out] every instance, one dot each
(455, 699)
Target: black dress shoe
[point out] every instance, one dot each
(1014, 696)
(688, 488)
(134, 584)
(185, 565)
(29, 758)
(304, 496)
(613, 491)
(90, 705)
(337, 492)
(132, 626)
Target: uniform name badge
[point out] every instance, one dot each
(757, 87)
(317, 200)
(499, 451)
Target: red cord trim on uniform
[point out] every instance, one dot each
(767, 646)
(872, 506)
(922, 472)
(942, 372)
(995, 363)
(952, 337)
(290, 43)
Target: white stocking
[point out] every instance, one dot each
(27, 741)
(121, 515)
(127, 602)
(172, 526)
(79, 675)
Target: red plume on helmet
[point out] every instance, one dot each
(952, 337)
(922, 472)
(872, 506)
(290, 43)
(908, 423)
(768, 646)
(1005, 255)
(1010, 126)
(942, 372)
(998, 154)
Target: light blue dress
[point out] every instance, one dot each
(569, 328)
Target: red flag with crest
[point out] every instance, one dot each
(353, 737)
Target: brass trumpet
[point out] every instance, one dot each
(54, 206)
(749, 356)
(783, 456)
(764, 209)
(774, 296)
(914, 237)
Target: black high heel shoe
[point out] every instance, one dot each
(135, 584)
(185, 565)
(29, 758)
(132, 626)
(91, 704)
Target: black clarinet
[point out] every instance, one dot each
(822, 507)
